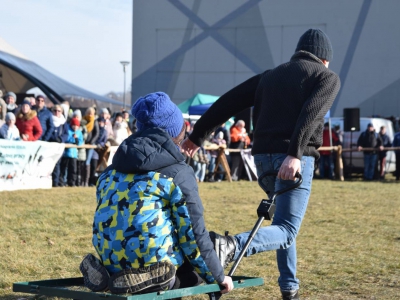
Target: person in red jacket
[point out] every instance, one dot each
(326, 157)
(28, 123)
(239, 140)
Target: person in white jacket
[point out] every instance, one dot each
(9, 131)
(120, 129)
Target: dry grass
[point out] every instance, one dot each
(348, 247)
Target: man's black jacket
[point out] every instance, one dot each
(290, 102)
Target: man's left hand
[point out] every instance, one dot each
(189, 148)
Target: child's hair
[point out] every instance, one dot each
(177, 140)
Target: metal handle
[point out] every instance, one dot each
(296, 184)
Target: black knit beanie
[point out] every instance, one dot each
(316, 42)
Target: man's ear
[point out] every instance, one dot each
(325, 62)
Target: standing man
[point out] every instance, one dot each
(290, 102)
(369, 139)
(45, 117)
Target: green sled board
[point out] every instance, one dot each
(73, 288)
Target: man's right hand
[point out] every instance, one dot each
(228, 284)
(189, 148)
(290, 166)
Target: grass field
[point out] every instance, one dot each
(348, 247)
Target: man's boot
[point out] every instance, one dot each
(224, 246)
(290, 295)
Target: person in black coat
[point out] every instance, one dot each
(369, 139)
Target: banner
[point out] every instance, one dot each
(249, 165)
(27, 165)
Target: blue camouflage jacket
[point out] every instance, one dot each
(149, 209)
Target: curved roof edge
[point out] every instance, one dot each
(53, 86)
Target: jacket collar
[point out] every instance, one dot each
(30, 115)
(306, 55)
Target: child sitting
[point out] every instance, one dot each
(148, 227)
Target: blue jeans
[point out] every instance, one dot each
(369, 165)
(290, 209)
(89, 155)
(56, 174)
(323, 161)
(211, 166)
(199, 170)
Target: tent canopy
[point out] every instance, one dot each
(197, 100)
(199, 109)
(19, 74)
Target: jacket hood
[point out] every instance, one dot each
(147, 150)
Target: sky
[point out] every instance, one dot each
(81, 41)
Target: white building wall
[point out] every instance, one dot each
(209, 46)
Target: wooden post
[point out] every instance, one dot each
(339, 163)
(221, 159)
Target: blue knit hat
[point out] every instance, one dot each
(316, 42)
(157, 110)
(26, 101)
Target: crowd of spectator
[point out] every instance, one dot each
(236, 137)
(372, 145)
(204, 161)
(33, 121)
